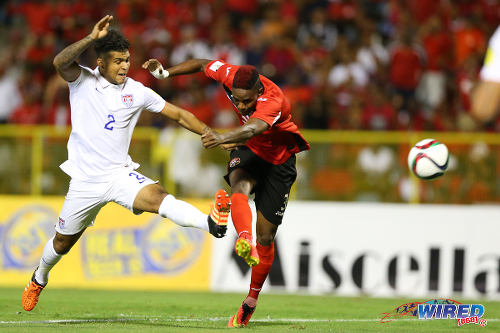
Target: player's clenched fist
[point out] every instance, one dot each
(210, 139)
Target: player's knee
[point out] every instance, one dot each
(265, 239)
(62, 243)
(150, 198)
(241, 182)
(243, 188)
(158, 198)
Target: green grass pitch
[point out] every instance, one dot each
(136, 311)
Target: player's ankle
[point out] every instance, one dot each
(250, 301)
(246, 235)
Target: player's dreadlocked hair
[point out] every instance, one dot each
(113, 41)
(246, 77)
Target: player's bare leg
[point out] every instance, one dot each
(241, 186)
(155, 199)
(55, 248)
(266, 231)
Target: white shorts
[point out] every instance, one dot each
(85, 199)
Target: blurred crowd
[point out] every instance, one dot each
(368, 64)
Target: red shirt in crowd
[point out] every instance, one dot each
(468, 41)
(437, 47)
(283, 138)
(405, 68)
(27, 114)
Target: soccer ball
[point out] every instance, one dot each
(428, 159)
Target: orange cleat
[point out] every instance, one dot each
(242, 317)
(219, 213)
(31, 294)
(245, 249)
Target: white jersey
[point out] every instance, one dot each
(491, 67)
(103, 117)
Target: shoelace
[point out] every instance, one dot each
(36, 287)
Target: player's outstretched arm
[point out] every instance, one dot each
(238, 136)
(65, 61)
(187, 67)
(485, 100)
(184, 118)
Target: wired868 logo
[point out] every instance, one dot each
(440, 308)
(463, 313)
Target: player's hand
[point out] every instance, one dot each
(151, 65)
(101, 28)
(210, 139)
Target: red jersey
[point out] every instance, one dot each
(282, 139)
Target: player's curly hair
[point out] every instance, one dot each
(113, 41)
(246, 77)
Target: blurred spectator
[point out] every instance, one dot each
(271, 27)
(37, 14)
(422, 10)
(465, 79)
(405, 67)
(342, 10)
(437, 43)
(299, 94)
(56, 102)
(254, 47)
(378, 113)
(319, 28)
(279, 59)
(317, 115)
(470, 41)
(195, 101)
(9, 87)
(189, 47)
(30, 111)
(223, 46)
(347, 68)
(372, 55)
(313, 60)
(240, 9)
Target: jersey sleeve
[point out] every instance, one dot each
(85, 73)
(221, 72)
(152, 101)
(491, 67)
(267, 110)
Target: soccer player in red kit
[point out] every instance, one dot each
(262, 161)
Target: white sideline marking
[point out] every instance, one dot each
(263, 320)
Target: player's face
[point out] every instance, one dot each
(245, 100)
(114, 66)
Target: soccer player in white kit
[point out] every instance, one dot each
(105, 107)
(485, 97)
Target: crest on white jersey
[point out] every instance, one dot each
(128, 100)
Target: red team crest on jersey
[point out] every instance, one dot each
(234, 162)
(128, 100)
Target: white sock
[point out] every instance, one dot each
(182, 213)
(48, 260)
